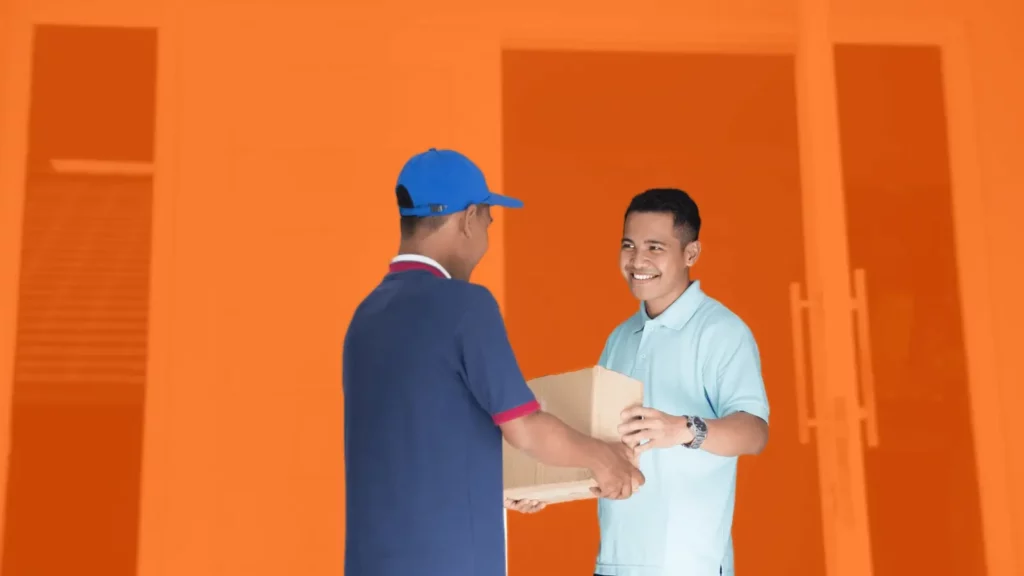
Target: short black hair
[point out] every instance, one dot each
(670, 201)
(411, 225)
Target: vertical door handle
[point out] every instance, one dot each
(797, 305)
(868, 412)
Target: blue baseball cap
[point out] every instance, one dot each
(444, 182)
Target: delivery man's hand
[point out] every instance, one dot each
(617, 476)
(525, 506)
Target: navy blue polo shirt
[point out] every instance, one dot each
(428, 376)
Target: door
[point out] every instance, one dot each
(80, 358)
(583, 133)
(921, 475)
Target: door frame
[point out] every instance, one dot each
(694, 37)
(20, 17)
(988, 412)
(15, 64)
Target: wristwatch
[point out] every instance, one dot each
(700, 431)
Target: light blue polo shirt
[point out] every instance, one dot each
(698, 359)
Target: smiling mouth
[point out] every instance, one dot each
(641, 278)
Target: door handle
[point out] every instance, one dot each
(868, 412)
(797, 305)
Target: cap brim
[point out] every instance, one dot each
(503, 201)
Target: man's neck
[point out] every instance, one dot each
(424, 249)
(657, 307)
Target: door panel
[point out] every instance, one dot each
(583, 133)
(922, 483)
(72, 498)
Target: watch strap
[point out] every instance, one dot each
(700, 432)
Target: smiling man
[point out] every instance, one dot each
(704, 402)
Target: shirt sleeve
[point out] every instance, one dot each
(605, 357)
(736, 384)
(490, 369)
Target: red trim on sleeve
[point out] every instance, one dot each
(517, 412)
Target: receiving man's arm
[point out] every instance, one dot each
(737, 434)
(735, 390)
(493, 377)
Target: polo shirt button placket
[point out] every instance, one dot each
(644, 337)
(639, 366)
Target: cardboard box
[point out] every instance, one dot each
(589, 400)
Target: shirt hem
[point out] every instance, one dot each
(632, 570)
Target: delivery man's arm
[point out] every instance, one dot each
(493, 377)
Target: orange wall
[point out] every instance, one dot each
(286, 124)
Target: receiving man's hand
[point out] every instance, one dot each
(525, 506)
(646, 428)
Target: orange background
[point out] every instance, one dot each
(279, 130)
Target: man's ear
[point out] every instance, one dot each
(466, 219)
(692, 253)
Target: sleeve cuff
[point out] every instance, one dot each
(517, 412)
(752, 408)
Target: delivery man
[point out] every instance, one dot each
(431, 386)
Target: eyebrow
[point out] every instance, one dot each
(648, 242)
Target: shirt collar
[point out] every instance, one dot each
(404, 262)
(677, 314)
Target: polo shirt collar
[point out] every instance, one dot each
(405, 262)
(677, 314)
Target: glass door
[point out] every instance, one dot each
(921, 475)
